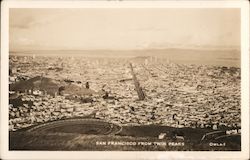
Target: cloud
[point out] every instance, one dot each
(25, 41)
(28, 18)
(22, 22)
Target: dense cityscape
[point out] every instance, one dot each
(44, 89)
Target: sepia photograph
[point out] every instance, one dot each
(125, 79)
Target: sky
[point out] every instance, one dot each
(123, 28)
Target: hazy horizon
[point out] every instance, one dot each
(201, 57)
(139, 49)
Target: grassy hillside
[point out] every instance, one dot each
(136, 134)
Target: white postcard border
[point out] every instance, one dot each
(243, 154)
